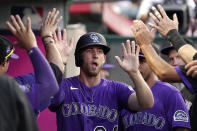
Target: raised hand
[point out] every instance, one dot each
(192, 69)
(63, 47)
(130, 61)
(25, 36)
(50, 23)
(164, 23)
(142, 34)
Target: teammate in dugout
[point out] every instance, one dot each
(169, 29)
(38, 86)
(87, 102)
(169, 112)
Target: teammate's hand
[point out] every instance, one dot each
(164, 23)
(50, 23)
(25, 36)
(130, 60)
(63, 47)
(142, 34)
(191, 68)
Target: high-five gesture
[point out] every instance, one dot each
(142, 33)
(130, 61)
(63, 47)
(50, 23)
(164, 23)
(25, 36)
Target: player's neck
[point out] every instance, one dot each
(151, 80)
(89, 81)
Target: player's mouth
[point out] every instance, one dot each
(94, 65)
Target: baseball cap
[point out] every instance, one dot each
(167, 49)
(6, 49)
(108, 66)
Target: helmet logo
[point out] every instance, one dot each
(94, 37)
(8, 50)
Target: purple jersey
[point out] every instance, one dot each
(190, 82)
(169, 111)
(28, 84)
(79, 108)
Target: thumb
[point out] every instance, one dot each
(175, 18)
(118, 60)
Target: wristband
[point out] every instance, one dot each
(175, 38)
(48, 42)
(46, 36)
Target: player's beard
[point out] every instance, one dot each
(91, 73)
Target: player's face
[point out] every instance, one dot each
(93, 60)
(4, 66)
(175, 59)
(144, 69)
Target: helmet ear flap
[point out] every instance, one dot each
(78, 60)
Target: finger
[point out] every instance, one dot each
(20, 22)
(28, 23)
(156, 12)
(14, 22)
(118, 60)
(64, 34)
(153, 26)
(54, 37)
(123, 50)
(54, 17)
(47, 18)
(162, 11)
(59, 34)
(154, 18)
(71, 43)
(175, 18)
(51, 16)
(137, 50)
(190, 64)
(10, 27)
(191, 70)
(133, 46)
(152, 31)
(58, 20)
(128, 46)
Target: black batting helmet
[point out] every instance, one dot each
(86, 40)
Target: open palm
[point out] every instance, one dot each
(63, 47)
(130, 61)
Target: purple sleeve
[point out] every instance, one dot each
(178, 113)
(43, 75)
(124, 91)
(186, 80)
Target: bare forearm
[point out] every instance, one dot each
(161, 68)
(53, 55)
(143, 92)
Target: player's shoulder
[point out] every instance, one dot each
(114, 83)
(166, 87)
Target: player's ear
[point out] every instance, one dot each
(105, 58)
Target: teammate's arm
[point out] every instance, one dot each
(169, 29)
(143, 98)
(44, 76)
(144, 38)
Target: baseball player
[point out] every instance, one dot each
(38, 86)
(168, 29)
(87, 102)
(169, 112)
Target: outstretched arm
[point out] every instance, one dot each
(144, 38)
(57, 49)
(169, 29)
(143, 98)
(43, 73)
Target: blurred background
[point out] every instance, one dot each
(112, 18)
